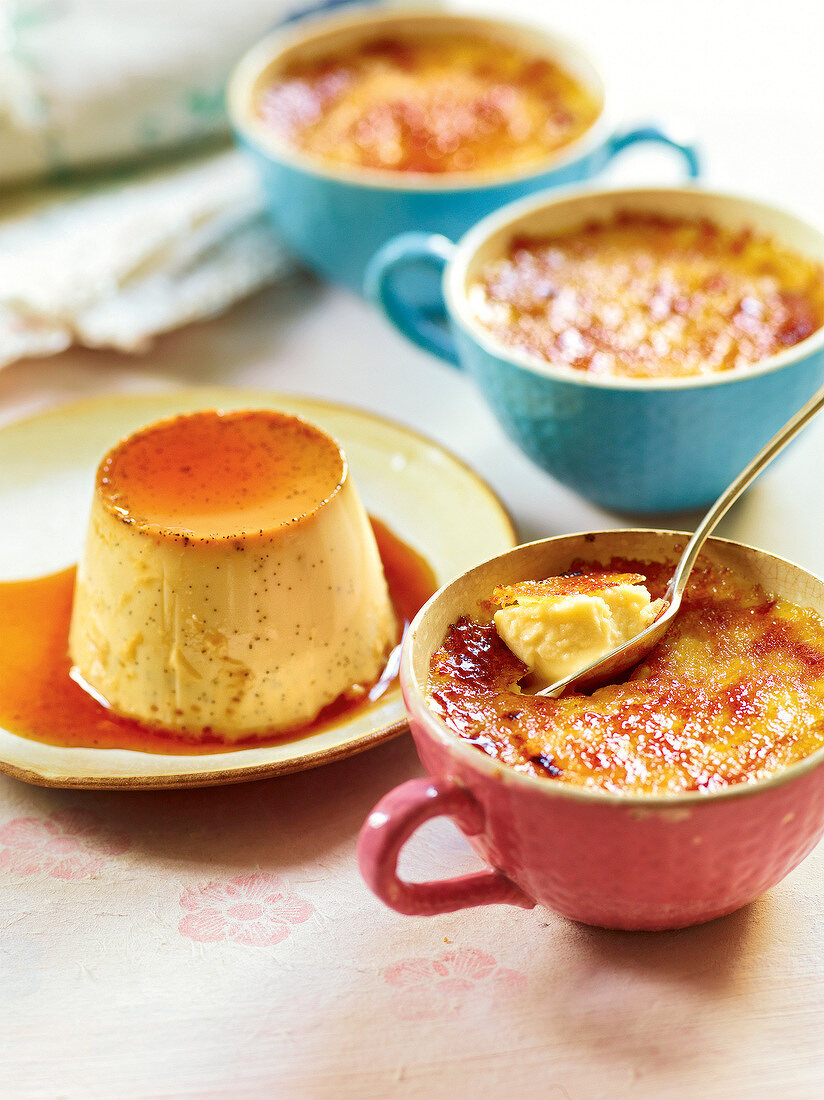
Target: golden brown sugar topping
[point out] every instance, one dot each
(428, 103)
(212, 475)
(644, 296)
(734, 692)
(571, 584)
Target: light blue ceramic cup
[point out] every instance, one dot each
(630, 444)
(335, 218)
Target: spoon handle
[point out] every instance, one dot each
(764, 457)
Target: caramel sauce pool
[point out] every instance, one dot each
(39, 699)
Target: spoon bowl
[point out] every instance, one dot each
(608, 668)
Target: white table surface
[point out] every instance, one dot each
(110, 987)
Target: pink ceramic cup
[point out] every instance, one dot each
(618, 861)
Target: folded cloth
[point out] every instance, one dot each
(113, 261)
(115, 265)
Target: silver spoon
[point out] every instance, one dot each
(611, 665)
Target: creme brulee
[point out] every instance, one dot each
(433, 103)
(733, 693)
(647, 296)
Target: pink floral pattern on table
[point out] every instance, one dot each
(425, 988)
(256, 910)
(67, 844)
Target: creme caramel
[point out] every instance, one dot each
(733, 693)
(230, 584)
(39, 699)
(647, 296)
(427, 102)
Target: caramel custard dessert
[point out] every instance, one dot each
(428, 102)
(647, 296)
(733, 693)
(231, 584)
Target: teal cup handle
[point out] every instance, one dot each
(426, 328)
(653, 135)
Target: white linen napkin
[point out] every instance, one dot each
(115, 266)
(111, 261)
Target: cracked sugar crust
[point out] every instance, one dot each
(428, 103)
(734, 692)
(647, 296)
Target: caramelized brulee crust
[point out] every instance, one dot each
(644, 296)
(733, 693)
(432, 103)
(570, 584)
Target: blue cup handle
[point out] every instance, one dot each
(423, 328)
(640, 135)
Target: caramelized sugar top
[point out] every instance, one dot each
(213, 475)
(734, 692)
(441, 102)
(570, 584)
(645, 296)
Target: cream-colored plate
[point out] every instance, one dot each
(47, 464)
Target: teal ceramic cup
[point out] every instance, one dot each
(334, 218)
(639, 445)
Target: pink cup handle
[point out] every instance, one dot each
(390, 825)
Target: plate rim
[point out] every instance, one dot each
(215, 778)
(40, 776)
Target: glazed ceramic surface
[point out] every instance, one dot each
(642, 445)
(335, 219)
(617, 861)
(47, 466)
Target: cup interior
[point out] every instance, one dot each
(317, 38)
(546, 215)
(466, 595)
